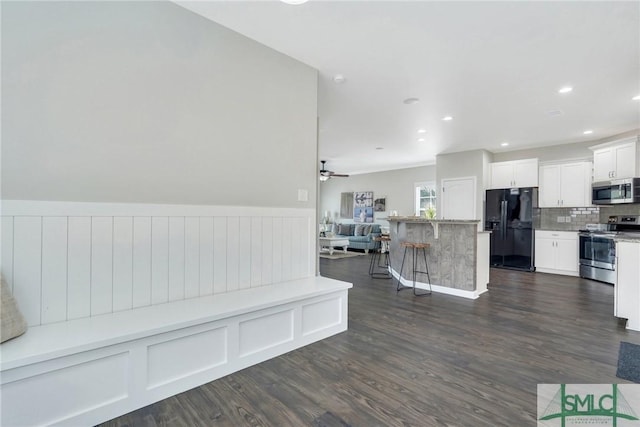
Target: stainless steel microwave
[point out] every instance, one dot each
(616, 191)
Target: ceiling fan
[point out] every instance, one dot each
(326, 174)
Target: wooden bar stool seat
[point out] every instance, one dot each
(415, 247)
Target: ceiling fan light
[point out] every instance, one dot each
(324, 178)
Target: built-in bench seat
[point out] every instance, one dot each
(85, 371)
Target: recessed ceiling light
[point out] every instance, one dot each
(447, 118)
(504, 144)
(565, 89)
(422, 131)
(421, 140)
(588, 132)
(553, 113)
(294, 1)
(379, 148)
(411, 100)
(636, 98)
(338, 78)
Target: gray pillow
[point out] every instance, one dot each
(344, 229)
(12, 323)
(359, 230)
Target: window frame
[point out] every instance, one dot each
(417, 187)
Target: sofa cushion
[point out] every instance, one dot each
(365, 239)
(362, 229)
(345, 230)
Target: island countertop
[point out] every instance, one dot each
(431, 220)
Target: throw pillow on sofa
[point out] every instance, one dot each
(344, 229)
(362, 230)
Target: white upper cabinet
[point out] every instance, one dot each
(565, 185)
(616, 160)
(516, 173)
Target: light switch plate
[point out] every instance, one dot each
(561, 219)
(303, 195)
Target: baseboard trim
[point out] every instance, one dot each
(441, 289)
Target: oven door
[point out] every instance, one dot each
(597, 250)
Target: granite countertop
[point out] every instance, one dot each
(428, 221)
(627, 237)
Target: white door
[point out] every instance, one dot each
(459, 198)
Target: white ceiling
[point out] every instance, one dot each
(496, 67)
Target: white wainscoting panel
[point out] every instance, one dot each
(68, 260)
(27, 267)
(122, 263)
(176, 258)
(79, 267)
(44, 399)
(101, 265)
(184, 356)
(54, 269)
(141, 292)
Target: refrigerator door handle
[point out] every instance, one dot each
(503, 219)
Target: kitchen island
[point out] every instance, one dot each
(458, 254)
(626, 302)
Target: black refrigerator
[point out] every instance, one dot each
(509, 217)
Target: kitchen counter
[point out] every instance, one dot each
(627, 237)
(458, 256)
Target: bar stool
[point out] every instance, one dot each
(415, 247)
(380, 262)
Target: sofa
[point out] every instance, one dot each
(360, 236)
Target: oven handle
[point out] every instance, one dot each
(599, 236)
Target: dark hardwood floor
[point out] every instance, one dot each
(420, 361)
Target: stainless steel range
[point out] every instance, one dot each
(598, 247)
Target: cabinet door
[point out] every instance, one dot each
(545, 253)
(575, 184)
(603, 164)
(502, 175)
(525, 173)
(627, 289)
(567, 254)
(625, 157)
(459, 198)
(549, 191)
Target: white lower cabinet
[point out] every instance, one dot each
(627, 288)
(557, 252)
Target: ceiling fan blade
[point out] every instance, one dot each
(341, 175)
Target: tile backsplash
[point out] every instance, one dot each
(566, 219)
(631, 209)
(573, 219)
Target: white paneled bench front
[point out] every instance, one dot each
(86, 371)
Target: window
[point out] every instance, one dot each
(425, 198)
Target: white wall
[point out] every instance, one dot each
(147, 102)
(395, 185)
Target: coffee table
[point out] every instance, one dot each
(329, 243)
